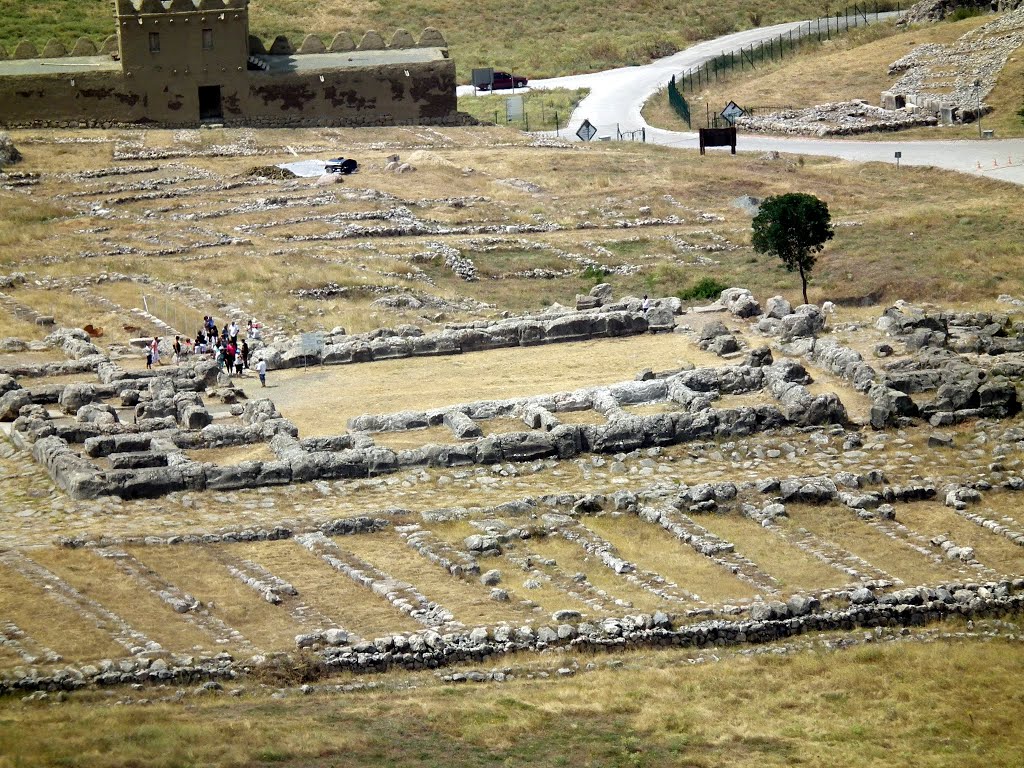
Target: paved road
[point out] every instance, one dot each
(617, 96)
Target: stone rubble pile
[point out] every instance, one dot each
(950, 82)
(843, 118)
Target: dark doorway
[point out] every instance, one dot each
(209, 103)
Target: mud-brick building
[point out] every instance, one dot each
(182, 63)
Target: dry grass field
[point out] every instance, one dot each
(197, 233)
(934, 704)
(234, 236)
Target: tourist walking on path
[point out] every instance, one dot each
(245, 353)
(155, 350)
(177, 350)
(261, 369)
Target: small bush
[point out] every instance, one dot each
(964, 12)
(595, 274)
(705, 288)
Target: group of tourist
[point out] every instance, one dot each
(222, 345)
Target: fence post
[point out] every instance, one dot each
(556, 124)
(643, 134)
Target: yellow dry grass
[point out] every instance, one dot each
(75, 311)
(932, 519)
(13, 326)
(794, 569)
(858, 404)
(544, 595)
(240, 607)
(46, 621)
(654, 549)
(329, 592)
(234, 454)
(168, 308)
(572, 558)
(102, 581)
(467, 599)
(841, 526)
(321, 399)
(581, 417)
(414, 438)
(931, 705)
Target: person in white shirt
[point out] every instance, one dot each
(261, 369)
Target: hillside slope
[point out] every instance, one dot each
(540, 39)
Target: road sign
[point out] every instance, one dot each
(514, 109)
(483, 77)
(732, 111)
(587, 131)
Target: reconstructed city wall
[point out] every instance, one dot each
(382, 95)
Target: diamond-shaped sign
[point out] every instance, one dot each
(587, 131)
(732, 111)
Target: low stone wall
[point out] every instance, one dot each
(429, 649)
(409, 341)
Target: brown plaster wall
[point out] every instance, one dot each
(364, 96)
(182, 55)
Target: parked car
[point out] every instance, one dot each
(505, 80)
(341, 165)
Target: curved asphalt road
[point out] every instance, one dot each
(617, 96)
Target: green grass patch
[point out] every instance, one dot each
(546, 110)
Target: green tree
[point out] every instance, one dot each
(794, 227)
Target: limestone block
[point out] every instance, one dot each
(777, 307)
(461, 425)
(74, 396)
(12, 402)
(740, 302)
(660, 318)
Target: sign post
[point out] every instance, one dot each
(514, 109)
(587, 131)
(312, 344)
(483, 77)
(732, 111)
(898, 156)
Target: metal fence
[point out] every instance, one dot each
(678, 102)
(778, 48)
